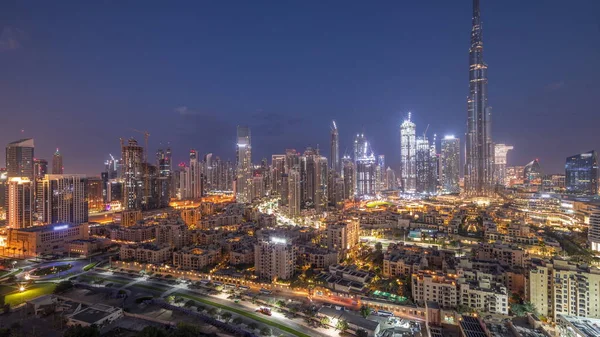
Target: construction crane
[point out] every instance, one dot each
(146, 175)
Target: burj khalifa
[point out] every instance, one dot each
(479, 167)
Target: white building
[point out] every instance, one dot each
(408, 149)
(275, 258)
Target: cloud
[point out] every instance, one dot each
(555, 86)
(11, 39)
(185, 111)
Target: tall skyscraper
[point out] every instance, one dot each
(132, 155)
(380, 180)
(64, 199)
(19, 159)
(450, 159)
(532, 173)
(581, 173)
(194, 179)
(20, 202)
(408, 149)
(243, 165)
(424, 169)
(335, 148)
(366, 167)
(359, 147)
(594, 232)
(294, 197)
(277, 171)
(479, 168)
(163, 162)
(40, 168)
(57, 163)
(390, 179)
(500, 153)
(349, 176)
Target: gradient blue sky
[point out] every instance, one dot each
(79, 74)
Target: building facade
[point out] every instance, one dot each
(581, 173)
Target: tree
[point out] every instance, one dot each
(280, 303)
(237, 321)
(325, 320)
(365, 311)
(342, 325)
(226, 316)
(63, 286)
(79, 331)
(152, 331)
(266, 331)
(253, 326)
(212, 312)
(189, 303)
(362, 333)
(378, 247)
(170, 299)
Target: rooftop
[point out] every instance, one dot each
(588, 327)
(472, 327)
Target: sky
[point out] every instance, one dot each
(79, 75)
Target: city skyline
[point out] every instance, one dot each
(279, 115)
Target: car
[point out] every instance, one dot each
(264, 311)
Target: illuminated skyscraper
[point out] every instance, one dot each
(64, 199)
(335, 148)
(294, 197)
(40, 168)
(163, 162)
(194, 181)
(390, 179)
(479, 167)
(57, 163)
(19, 159)
(581, 173)
(380, 174)
(133, 155)
(366, 167)
(500, 153)
(277, 171)
(450, 162)
(408, 149)
(424, 169)
(349, 176)
(243, 165)
(20, 202)
(532, 173)
(359, 147)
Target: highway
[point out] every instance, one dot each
(159, 288)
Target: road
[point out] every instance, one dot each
(160, 287)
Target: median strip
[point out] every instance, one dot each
(244, 313)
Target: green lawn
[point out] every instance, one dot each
(245, 313)
(90, 266)
(378, 203)
(17, 297)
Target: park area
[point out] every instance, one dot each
(378, 203)
(52, 270)
(14, 296)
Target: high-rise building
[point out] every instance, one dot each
(349, 176)
(194, 186)
(275, 258)
(343, 236)
(366, 171)
(380, 181)
(581, 173)
(243, 165)
(479, 168)
(113, 167)
(64, 199)
(500, 153)
(360, 147)
(57, 163)
(294, 196)
(20, 202)
(40, 168)
(390, 179)
(424, 169)
(19, 159)
(532, 173)
(163, 162)
(594, 232)
(133, 155)
(277, 171)
(94, 194)
(450, 159)
(335, 148)
(3, 188)
(408, 149)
